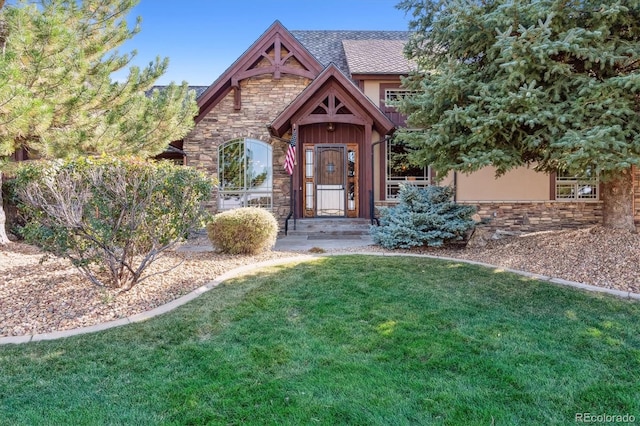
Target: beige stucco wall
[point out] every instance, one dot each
(522, 184)
(372, 89)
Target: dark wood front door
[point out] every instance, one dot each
(330, 180)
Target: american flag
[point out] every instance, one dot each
(290, 159)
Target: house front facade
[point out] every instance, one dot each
(328, 92)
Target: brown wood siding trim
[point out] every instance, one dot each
(366, 174)
(392, 113)
(383, 98)
(331, 78)
(345, 135)
(334, 91)
(381, 77)
(337, 98)
(552, 186)
(383, 171)
(275, 33)
(276, 70)
(207, 107)
(237, 98)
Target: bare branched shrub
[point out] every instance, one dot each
(111, 217)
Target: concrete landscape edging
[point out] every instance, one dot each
(248, 269)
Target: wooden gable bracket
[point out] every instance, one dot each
(237, 99)
(277, 66)
(332, 97)
(330, 108)
(263, 57)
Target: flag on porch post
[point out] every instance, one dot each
(290, 159)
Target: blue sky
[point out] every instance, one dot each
(202, 38)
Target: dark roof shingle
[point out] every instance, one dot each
(377, 57)
(328, 48)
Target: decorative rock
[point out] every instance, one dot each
(479, 238)
(500, 234)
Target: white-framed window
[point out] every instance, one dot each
(245, 170)
(400, 171)
(581, 187)
(395, 94)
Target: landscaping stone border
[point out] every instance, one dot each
(245, 270)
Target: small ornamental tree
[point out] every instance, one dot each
(423, 217)
(111, 217)
(551, 84)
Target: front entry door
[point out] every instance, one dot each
(330, 180)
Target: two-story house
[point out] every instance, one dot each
(332, 88)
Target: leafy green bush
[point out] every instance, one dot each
(112, 217)
(423, 217)
(246, 230)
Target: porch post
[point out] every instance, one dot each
(367, 176)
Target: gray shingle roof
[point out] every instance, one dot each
(199, 90)
(377, 57)
(327, 45)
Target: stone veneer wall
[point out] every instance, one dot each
(263, 98)
(532, 216)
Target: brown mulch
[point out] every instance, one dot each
(40, 297)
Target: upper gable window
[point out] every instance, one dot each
(392, 95)
(245, 170)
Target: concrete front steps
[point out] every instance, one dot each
(330, 228)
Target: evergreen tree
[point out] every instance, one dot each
(551, 84)
(57, 96)
(423, 217)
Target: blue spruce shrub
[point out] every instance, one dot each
(423, 217)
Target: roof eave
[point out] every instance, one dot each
(282, 123)
(222, 85)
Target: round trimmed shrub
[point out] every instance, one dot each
(246, 230)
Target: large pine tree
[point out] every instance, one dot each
(57, 96)
(553, 84)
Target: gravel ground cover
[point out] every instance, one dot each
(43, 296)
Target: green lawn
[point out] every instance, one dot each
(344, 340)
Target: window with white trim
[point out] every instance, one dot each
(401, 171)
(581, 187)
(395, 94)
(245, 170)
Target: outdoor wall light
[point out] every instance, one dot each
(330, 127)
